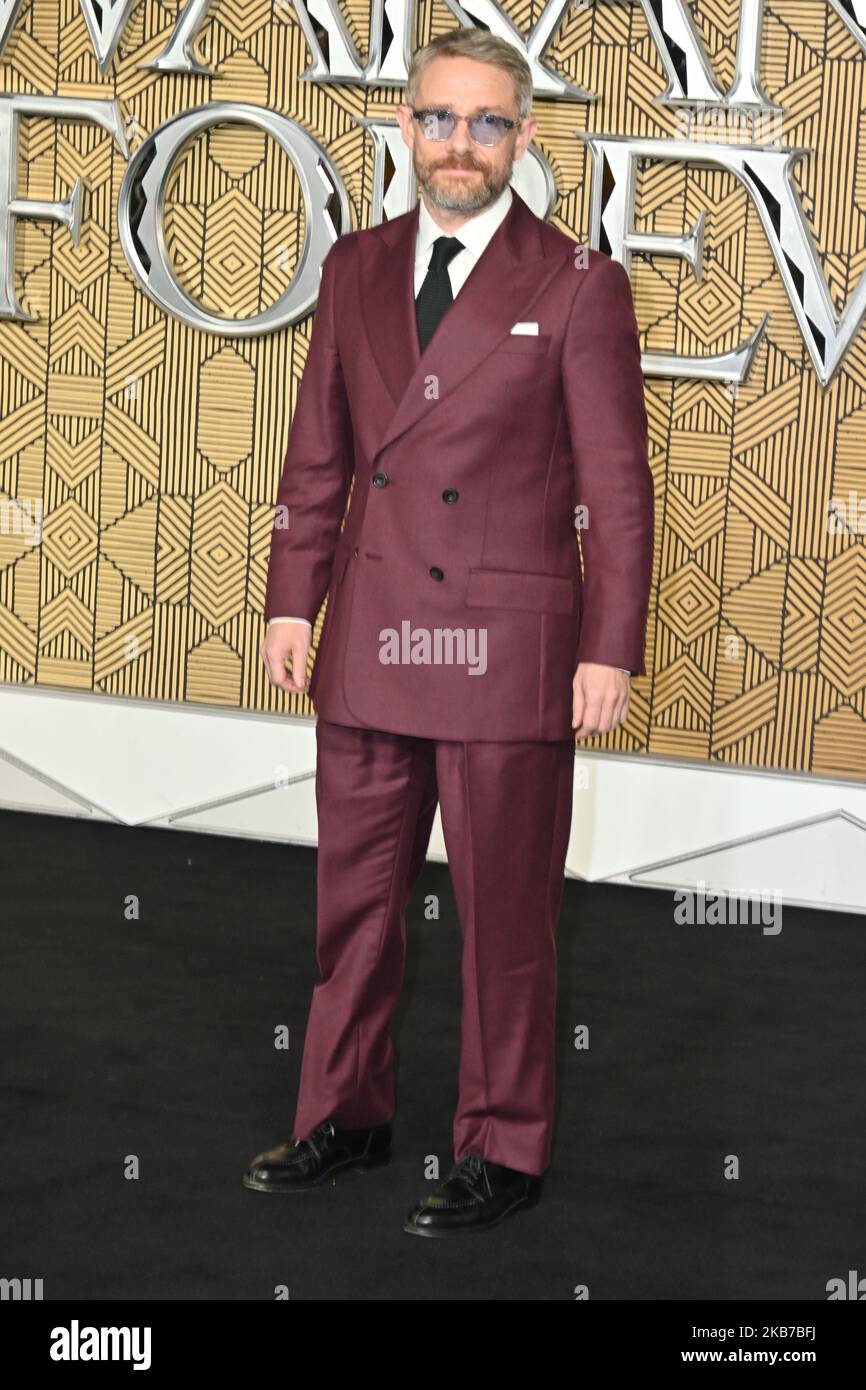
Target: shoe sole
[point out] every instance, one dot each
(413, 1230)
(357, 1166)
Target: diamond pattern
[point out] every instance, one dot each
(155, 451)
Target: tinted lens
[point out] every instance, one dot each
(487, 130)
(437, 125)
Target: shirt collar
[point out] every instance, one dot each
(475, 233)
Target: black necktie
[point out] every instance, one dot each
(435, 294)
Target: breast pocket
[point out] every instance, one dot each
(531, 344)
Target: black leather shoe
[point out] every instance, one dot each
(476, 1195)
(302, 1163)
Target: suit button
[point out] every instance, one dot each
(381, 480)
(450, 495)
(355, 552)
(436, 573)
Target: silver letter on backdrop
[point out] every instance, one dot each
(689, 71)
(106, 20)
(179, 53)
(104, 113)
(765, 170)
(391, 68)
(8, 15)
(142, 202)
(766, 175)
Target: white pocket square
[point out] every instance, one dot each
(528, 328)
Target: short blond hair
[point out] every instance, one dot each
(466, 42)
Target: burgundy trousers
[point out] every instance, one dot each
(506, 818)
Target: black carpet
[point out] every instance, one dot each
(154, 1038)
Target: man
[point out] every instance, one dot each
(478, 375)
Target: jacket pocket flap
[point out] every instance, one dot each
(521, 589)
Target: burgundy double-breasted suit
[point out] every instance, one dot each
(470, 462)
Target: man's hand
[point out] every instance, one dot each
(600, 699)
(282, 642)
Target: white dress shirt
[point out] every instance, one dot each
(475, 234)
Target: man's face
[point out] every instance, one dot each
(456, 175)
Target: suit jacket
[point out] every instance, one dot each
(469, 462)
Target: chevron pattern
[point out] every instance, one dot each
(154, 451)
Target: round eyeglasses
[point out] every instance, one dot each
(437, 123)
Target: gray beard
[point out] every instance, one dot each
(472, 200)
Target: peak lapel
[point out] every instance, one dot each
(510, 273)
(387, 284)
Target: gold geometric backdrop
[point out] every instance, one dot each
(153, 450)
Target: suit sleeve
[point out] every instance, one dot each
(608, 428)
(317, 471)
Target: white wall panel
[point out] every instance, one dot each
(661, 823)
